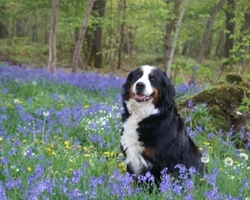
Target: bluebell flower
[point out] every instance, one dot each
(76, 176)
(188, 197)
(2, 192)
(199, 129)
(177, 189)
(190, 103)
(12, 184)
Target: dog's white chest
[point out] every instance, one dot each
(129, 138)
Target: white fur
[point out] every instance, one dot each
(144, 79)
(129, 139)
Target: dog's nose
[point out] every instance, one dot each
(140, 86)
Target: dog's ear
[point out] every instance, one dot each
(169, 90)
(127, 86)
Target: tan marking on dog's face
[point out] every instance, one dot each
(155, 96)
(131, 93)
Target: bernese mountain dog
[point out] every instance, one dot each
(153, 135)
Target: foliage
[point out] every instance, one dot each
(59, 139)
(144, 31)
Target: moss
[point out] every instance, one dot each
(234, 78)
(222, 100)
(223, 103)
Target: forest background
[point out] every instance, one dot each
(123, 34)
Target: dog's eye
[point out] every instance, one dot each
(138, 75)
(152, 77)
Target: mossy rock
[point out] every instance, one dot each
(222, 102)
(226, 97)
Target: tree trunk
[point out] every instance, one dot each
(96, 57)
(3, 30)
(52, 49)
(123, 10)
(219, 45)
(207, 31)
(176, 34)
(230, 25)
(168, 31)
(78, 46)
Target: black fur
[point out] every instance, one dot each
(164, 132)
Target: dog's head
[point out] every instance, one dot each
(149, 84)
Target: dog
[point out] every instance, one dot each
(153, 136)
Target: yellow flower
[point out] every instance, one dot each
(87, 155)
(28, 169)
(53, 153)
(228, 161)
(71, 160)
(1, 139)
(86, 106)
(244, 156)
(109, 154)
(206, 143)
(122, 166)
(48, 150)
(67, 147)
(66, 143)
(202, 179)
(85, 148)
(24, 141)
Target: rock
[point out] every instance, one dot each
(227, 105)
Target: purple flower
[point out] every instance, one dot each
(76, 176)
(188, 184)
(147, 178)
(192, 170)
(2, 192)
(187, 119)
(190, 103)
(188, 197)
(199, 129)
(166, 183)
(4, 161)
(212, 194)
(209, 136)
(177, 189)
(211, 178)
(231, 132)
(75, 194)
(12, 184)
(195, 68)
(121, 186)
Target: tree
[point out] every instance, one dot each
(96, 57)
(52, 49)
(207, 31)
(123, 10)
(176, 34)
(230, 25)
(78, 46)
(168, 31)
